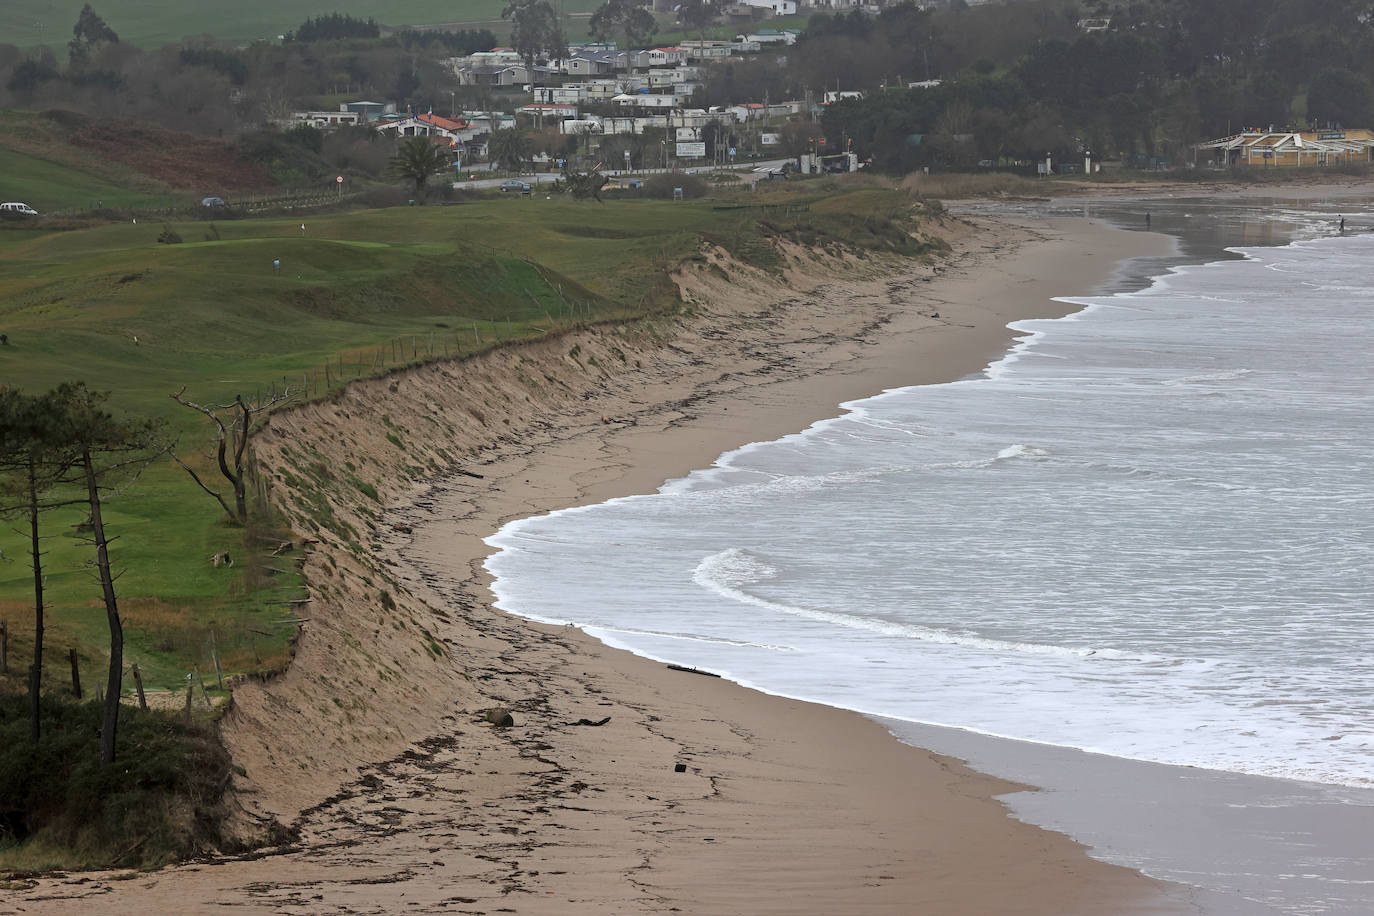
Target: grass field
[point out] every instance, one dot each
(40, 166)
(153, 23)
(356, 292)
(46, 185)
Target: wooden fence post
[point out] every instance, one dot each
(76, 674)
(214, 654)
(138, 685)
(189, 688)
(4, 647)
(204, 694)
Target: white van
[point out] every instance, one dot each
(16, 207)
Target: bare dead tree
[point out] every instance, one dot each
(231, 451)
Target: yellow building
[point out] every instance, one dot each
(1292, 149)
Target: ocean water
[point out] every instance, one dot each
(1146, 533)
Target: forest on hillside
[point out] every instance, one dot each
(1025, 79)
(1015, 79)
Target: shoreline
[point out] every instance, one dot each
(974, 309)
(782, 806)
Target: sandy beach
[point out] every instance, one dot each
(623, 785)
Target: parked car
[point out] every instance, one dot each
(515, 184)
(215, 202)
(775, 175)
(18, 209)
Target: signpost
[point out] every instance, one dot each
(338, 180)
(691, 150)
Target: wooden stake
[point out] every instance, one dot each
(204, 694)
(214, 654)
(4, 647)
(76, 674)
(138, 686)
(189, 688)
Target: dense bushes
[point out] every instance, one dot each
(156, 803)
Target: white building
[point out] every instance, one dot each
(570, 94)
(644, 100)
(776, 7)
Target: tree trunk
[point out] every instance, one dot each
(102, 560)
(36, 670)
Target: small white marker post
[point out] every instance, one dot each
(338, 180)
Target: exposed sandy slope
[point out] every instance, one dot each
(783, 807)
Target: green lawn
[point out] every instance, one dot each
(359, 291)
(153, 23)
(46, 185)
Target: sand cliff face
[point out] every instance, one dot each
(383, 660)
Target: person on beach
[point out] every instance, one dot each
(1342, 225)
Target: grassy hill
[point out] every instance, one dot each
(152, 23)
(59, 160)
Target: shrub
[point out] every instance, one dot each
(157, 803)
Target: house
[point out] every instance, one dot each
(594, 62)
(841, 95)
(663, 57)
(1254, 148)
(772, 7)
(697, 118)
(579, 126)
(327, 120)
(661, 79)
(496, 57)
(369, 110)
(707, 50)
(544, 111)
(645, 100)
(498, 77)
(749, 111)
(770, 37)
(569, 94)
(484, 122)
(454, 130)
